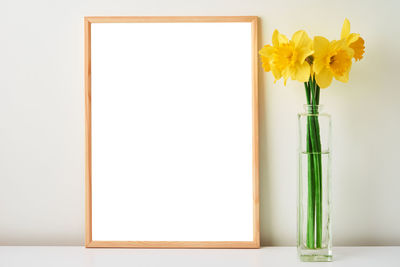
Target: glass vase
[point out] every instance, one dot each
(314, 241)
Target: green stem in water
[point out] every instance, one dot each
(318, 183)
(314, 213)
(311, 189)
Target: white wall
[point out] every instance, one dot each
(42, 117)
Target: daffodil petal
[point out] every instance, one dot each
(324, 78)
(303, 44)
(303, 72)
(266, 51)
(321, 45)
(266, 63)
(318, 65)
(283, 39)
(338, 44)
(276, 73)
(275, 38)
(300, 38)
(352, 38)
(285, 75)
(321, 50)
(345, 29)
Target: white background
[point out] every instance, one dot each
(172, 132)
(42, 117)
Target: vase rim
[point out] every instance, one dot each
(313, 108)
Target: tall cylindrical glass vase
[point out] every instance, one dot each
(314, 188)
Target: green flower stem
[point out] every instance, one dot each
(314, 213)
(316, 144)
(311, 190)
(318, 183)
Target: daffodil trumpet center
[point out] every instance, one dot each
(339, 62)
(286, 55)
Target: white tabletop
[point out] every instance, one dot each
(16, 256)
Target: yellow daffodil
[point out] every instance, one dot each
(287, 58)
(301, 58)
(266, 57)
(353, 40)
(331, 59)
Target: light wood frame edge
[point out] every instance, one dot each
(256, 162)
(88, 136)
(89, 243)
(173, 244)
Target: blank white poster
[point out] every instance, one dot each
(171, 132)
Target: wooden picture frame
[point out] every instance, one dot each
(89, 242)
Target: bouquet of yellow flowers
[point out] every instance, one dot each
(315, 62)
(304, 59)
